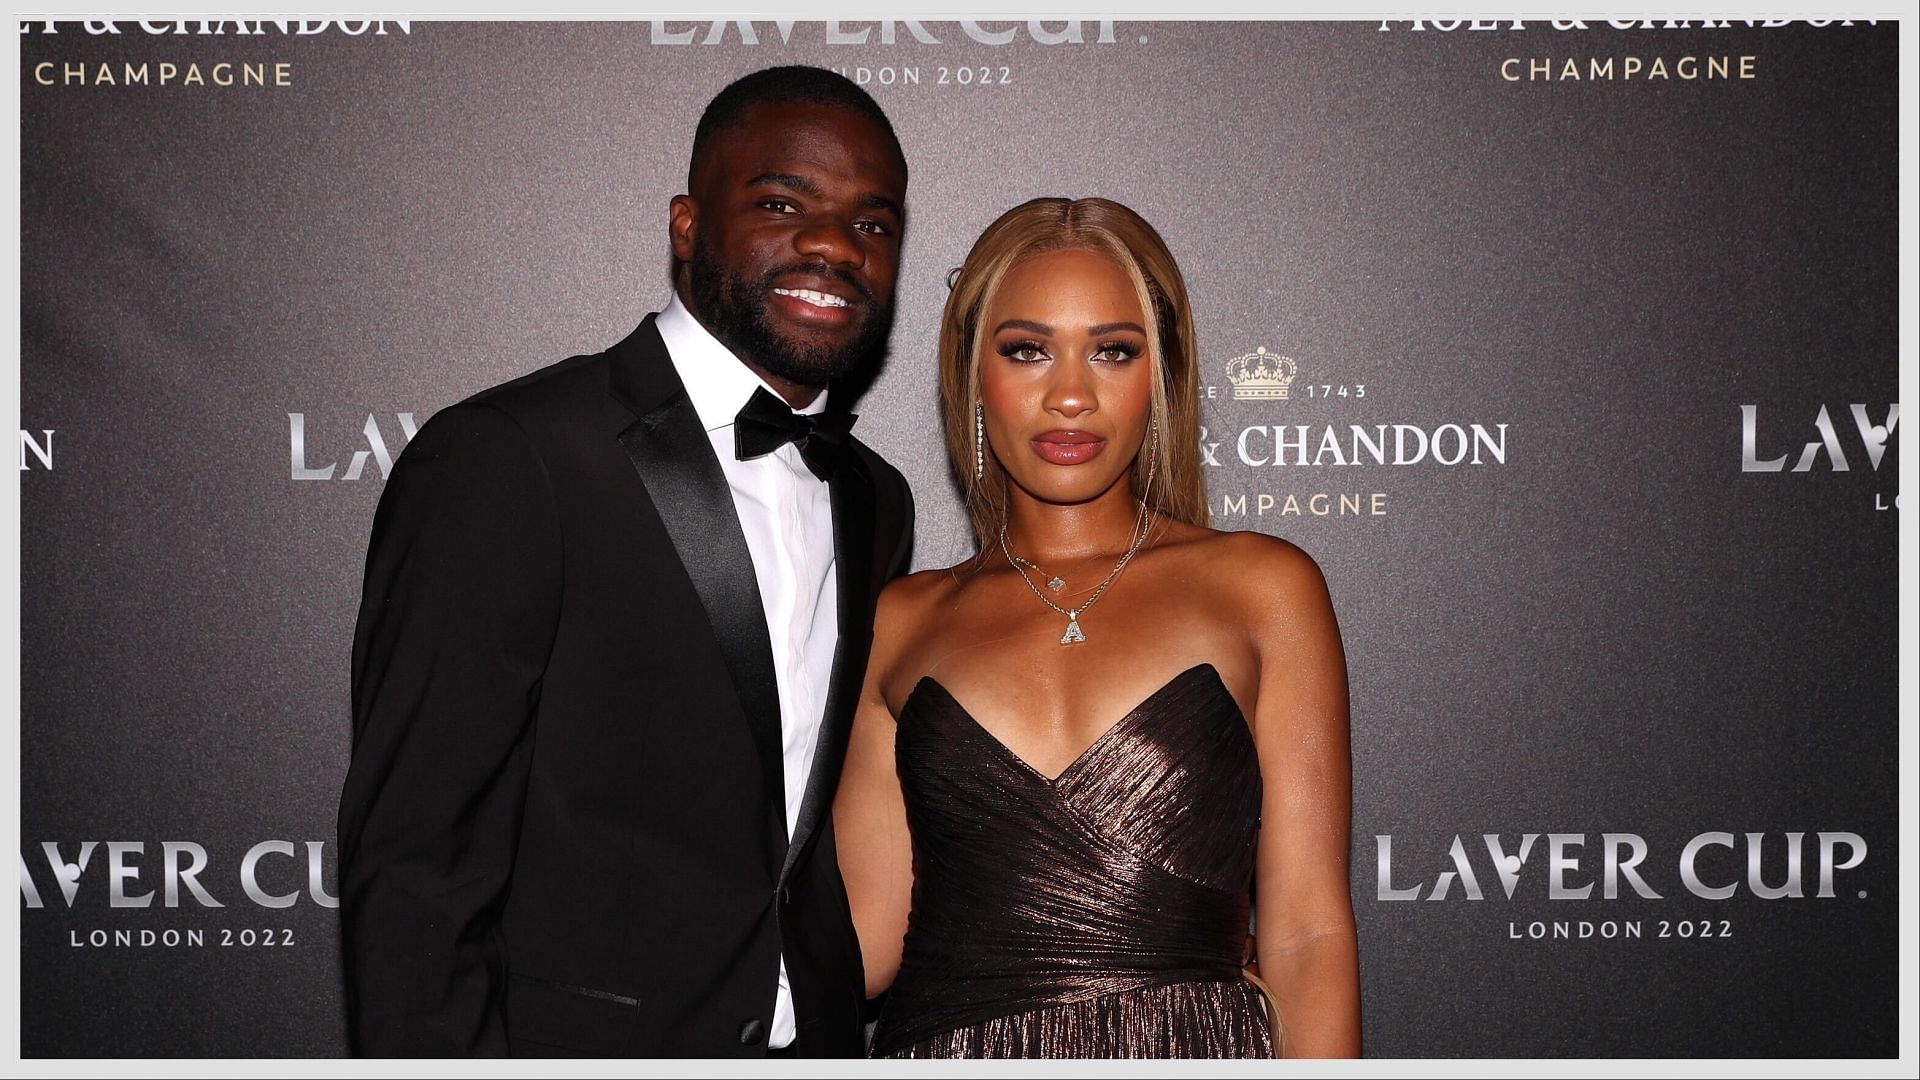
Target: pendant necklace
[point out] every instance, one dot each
(1074, 634)
(1054, 581)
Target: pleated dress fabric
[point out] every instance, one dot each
(1100, 913)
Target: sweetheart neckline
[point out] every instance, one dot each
(1099, 740)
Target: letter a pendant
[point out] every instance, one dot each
(1073, 633)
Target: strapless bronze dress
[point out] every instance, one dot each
(1102, 913)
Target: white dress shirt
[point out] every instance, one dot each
(787, 517)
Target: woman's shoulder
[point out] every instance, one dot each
(1268, 575)
(1243, 550)
(905, 620)
(906, 599)
(1270, 553)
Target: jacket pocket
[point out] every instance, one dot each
(597, 1022)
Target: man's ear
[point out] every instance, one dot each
(683, 226)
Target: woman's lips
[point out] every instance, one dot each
(1068, 447)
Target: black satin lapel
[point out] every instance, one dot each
(675, 460)
(851, 490)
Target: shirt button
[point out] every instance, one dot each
(752, 1032)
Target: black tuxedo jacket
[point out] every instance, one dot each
(563, 830)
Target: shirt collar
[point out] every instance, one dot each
(717, 382)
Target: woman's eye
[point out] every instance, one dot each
(1115, 352)
(1025, 352)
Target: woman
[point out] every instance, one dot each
(1082, 754)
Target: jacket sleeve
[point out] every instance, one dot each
(902, 559)
(457, 617)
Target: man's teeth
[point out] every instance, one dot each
(817, 299)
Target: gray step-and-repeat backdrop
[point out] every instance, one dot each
(1568, 349)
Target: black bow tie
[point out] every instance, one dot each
(765, 424)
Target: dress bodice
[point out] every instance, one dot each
(1130, 869)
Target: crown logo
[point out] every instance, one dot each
(1261, 375)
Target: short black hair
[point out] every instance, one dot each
(792, 84)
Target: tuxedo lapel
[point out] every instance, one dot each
(670, 450)
(851, 491)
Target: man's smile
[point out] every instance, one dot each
(815, 297)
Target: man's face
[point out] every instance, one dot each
(791, 237)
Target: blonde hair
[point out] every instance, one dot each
(1172, 483)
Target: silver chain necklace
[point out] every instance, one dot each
(1074, 634)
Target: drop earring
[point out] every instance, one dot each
(979, 442)
(1153, 458)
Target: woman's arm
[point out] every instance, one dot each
(870, 814)
(1308, 948)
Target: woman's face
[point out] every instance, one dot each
(1066, 374)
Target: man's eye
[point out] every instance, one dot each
(874, 228)
(781, 205)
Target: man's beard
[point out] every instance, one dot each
(734, 310)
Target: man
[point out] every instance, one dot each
(616, 616)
